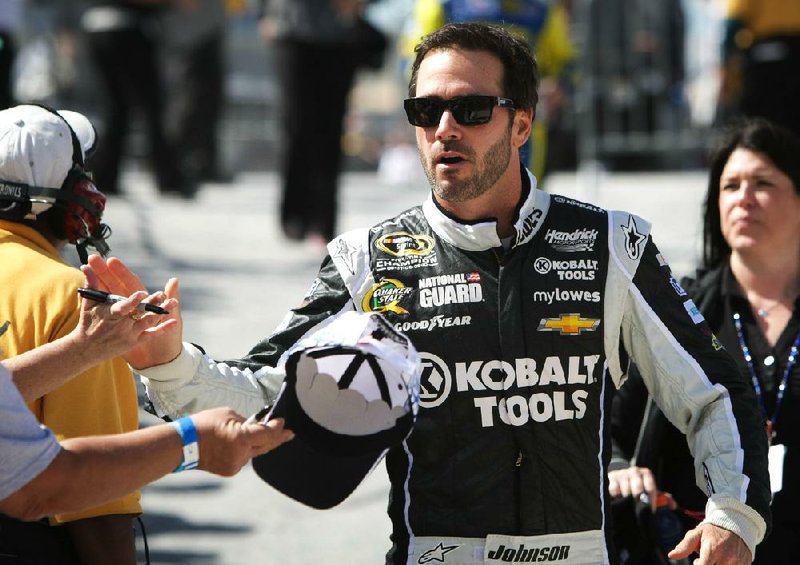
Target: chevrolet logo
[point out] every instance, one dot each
(568, 324)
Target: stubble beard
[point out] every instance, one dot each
(493, 165)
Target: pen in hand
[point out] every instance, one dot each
(259, 416)
(102, 296)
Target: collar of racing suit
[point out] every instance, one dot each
(480, 235)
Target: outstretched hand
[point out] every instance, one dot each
(160, 342)
(227, 443)
(715, 545)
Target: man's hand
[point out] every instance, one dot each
(226, 444)
(633, 481)
(159, 344)
(109, 330)
(715, 545)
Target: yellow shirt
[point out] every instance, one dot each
(39, 298)
(765, 18)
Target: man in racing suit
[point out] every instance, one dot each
(525, 308)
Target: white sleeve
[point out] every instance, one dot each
(193, 382)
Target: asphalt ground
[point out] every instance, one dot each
(239, 276)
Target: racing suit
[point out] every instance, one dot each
(520, 348)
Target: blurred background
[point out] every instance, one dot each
(642, 94)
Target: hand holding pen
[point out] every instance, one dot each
(113, 275)
(111, 326)
(108, 298)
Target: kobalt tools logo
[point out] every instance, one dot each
(459, 288)
(435, 380)
(578, 240)
(565, 399)
(385, 297)
(524, 554)
(574, 270)
(568, 324)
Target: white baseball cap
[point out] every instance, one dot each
(39, 146)
(351, 393)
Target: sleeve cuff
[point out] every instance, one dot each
(175, 374)
(735, 516)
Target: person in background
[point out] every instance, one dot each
(760, 71)
(10, 22)
(123, 38)
(315, 63)
(747, 289)
(193, 46)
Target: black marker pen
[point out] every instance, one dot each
(102, 296)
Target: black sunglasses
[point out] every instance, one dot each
(467, 110)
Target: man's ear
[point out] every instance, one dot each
(523, 124)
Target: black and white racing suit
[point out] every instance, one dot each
(521, 351)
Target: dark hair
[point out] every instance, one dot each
(779, 144)
(520, 72)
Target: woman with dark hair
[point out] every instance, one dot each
(747, 289)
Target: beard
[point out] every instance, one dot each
(487, 171)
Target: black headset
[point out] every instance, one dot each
(77, 197)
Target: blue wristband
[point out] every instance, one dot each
(191, 451)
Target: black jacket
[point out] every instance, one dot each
(521, 350)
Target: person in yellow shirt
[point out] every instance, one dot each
(47, 200)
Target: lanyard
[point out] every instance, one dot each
(757, 384)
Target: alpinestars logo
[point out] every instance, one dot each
(347, 253)
(437, 554)
(634, 239)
